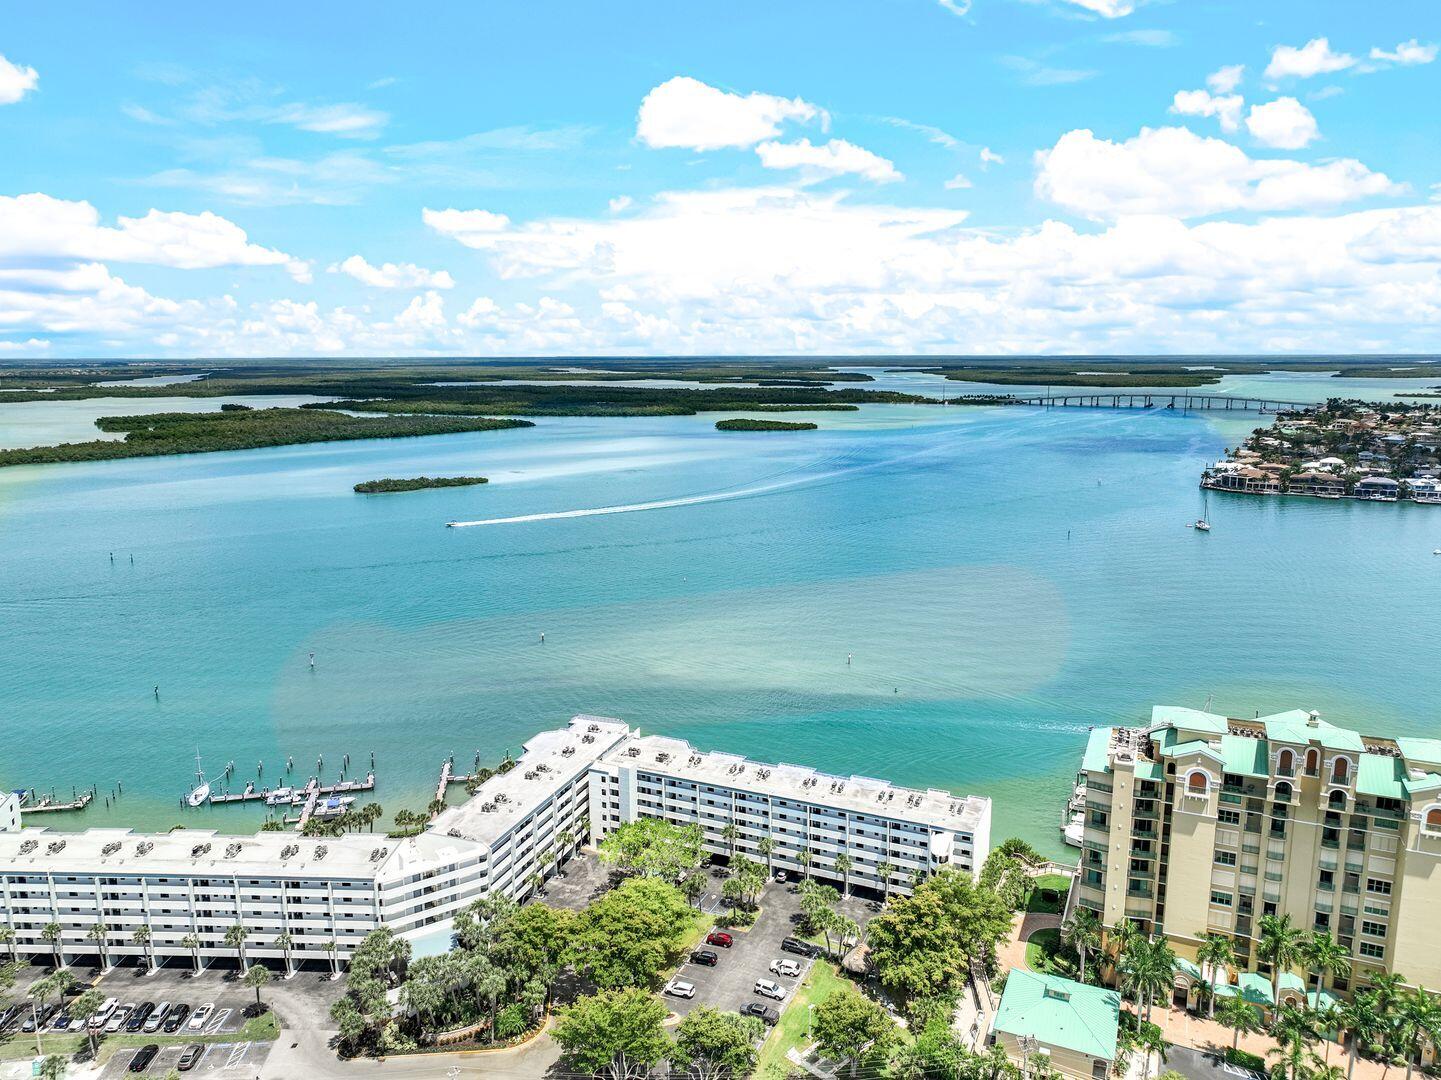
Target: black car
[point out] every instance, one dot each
(176, 1018)
(136, 1020)
(143, 1057)
(799, 947)
(764, 1013)
(706, 957)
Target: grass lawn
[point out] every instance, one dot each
(1048, 893)
(1046, 954)
(703, 926)
(19, 1047)
(823, 981)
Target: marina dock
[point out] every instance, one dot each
(30, 803)
(296, 796)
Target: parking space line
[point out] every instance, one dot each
(218, 1021)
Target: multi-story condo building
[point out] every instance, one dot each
(1202, 823)
(9, 812)
(301, 899)
(888, 834)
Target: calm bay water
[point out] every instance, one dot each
(1003, 579)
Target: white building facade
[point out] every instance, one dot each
(303, 899)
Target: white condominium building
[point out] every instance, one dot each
(887, 833)
(189, 888)
(9, 812)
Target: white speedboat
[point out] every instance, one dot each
(201, 791)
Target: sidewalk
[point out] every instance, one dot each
(1199, 1033)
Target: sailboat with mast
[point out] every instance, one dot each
(1202, 523)
(201, 791)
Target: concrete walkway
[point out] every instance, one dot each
(1013, 952)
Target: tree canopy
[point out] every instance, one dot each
(654, 848)
(616, 1034)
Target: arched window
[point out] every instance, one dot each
(1286, 763)
(1313, 761)
(1433, 819)
(1336, 800)
(1283, 792)
(1340, 770)
(1198, 783)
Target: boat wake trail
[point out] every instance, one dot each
(660, 504)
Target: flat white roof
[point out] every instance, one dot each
(550, 761)
(202, 852)
(857, 794)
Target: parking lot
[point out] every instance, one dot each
(731, 983)
(220, 1060)
(582, 879)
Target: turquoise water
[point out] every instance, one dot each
(1003, 579)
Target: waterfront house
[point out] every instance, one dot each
(1378, 488)
(1071, 1026)
(1425, 489)
(1316, 483)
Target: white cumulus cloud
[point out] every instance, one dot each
(16, 81)
(1107, 9)
(460, 223)
(958, 182)
(685, 112)
(831, 159)
(393, 275)
(1285, 124)
(1406, 53)
(1316, 57)
(1226, 108)
(1175, 172)
(37, 227)
(1225, 79)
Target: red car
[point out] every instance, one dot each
(718, 937)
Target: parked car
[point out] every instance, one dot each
(143, 1057)
(766, 988)
(190, 1057)
(155, 1019)
(705, 957)
(61, 1021)
(39, 1018)
(199, 1017)
(764, 1013)
(781, 877)
(118, 1017)
(799, 947)
(721, 938)
(680, 988)
(785, 967)
(8, 1016)
(176, 1018)
(136, 1020)
(102, 1014)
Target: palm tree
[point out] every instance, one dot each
(100, 934)
(235, 939)
(1280, 946)
(53, 933)
(1215, 951)
(1420, 1026)
(7, 938)
(843, 867)
(1324, 956)
(566, 842)
(83, 1008)
(1122, 936)
(1082, 932)
(804, 858)
(330, 947)
(372, 813)
(884, 871)
(142, 938)
(692, 886)
(1147, 971)
(767, 848)
(256, 976)
(1361, 1018)
(730, 834)
(192, 942)
(436, 806)
(535, 881)
(285, 942)
(57, 984)
(1293, 1031)
(1236, 1013)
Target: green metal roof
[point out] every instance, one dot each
(1098, 747)
(1251, 986)
(1381, 776)
(1188, 719)
(1195, 746)
(1059, 1012)
(1295, 727)
(1149, 770)
(1245, 757)
(1425, 751)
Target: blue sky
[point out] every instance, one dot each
(561, 179)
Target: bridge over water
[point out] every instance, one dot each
(1180, 402)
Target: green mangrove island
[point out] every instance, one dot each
(745, 424)
(199, 433)
(416, 483)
